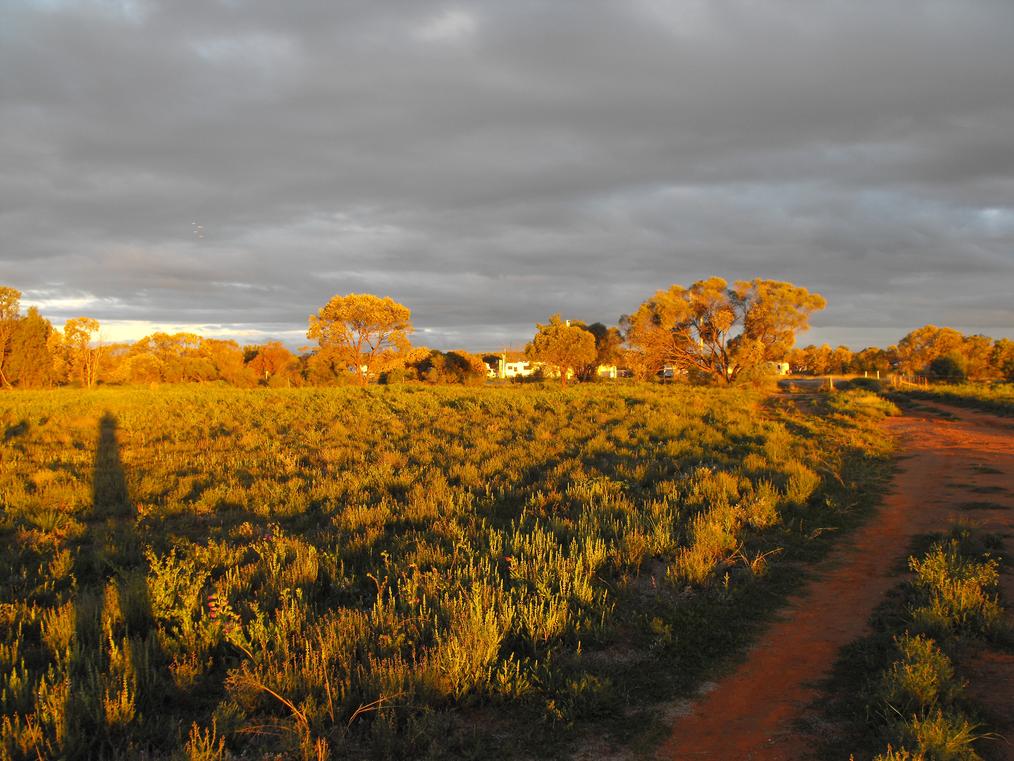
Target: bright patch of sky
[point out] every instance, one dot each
(448, 26)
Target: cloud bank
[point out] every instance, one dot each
(488, 164)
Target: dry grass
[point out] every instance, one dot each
(198, 571)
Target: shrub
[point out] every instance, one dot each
(941, 736)
(921, 678)
(957, 593)
(948, 368)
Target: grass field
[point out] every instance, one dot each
(991, 397)
(196, 572)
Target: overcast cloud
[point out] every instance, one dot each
(489, 163)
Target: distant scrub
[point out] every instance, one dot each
(201, 572)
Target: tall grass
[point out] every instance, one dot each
(917, 700)
(992, 397)
(203, 572)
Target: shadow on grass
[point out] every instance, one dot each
(118, 681)
(13, 431)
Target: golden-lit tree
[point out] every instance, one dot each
(821, 360)
(79, 335)
(1002, 359)
(273, 361)
(920, 347)
(434, 366)
(841, 360)
(872, 359)
(811, 360)
(361, 332)
(977, 352)
(10, 311)
(179, 357)
(608, 348)
(720, 330)
(186, 358)
(225, 359)
(29, 363)
(141, 367)
(562, 346)
(58, 355)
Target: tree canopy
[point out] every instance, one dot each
(10, 311)
(920, 347)
(562, 346)
(710, 331)
(273, 363)
(608, 348)
(78, 335)
(30, 363)
(720, 330)
(363, 332)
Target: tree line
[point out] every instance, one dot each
(935, 353)
(711, 331)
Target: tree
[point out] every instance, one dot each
(271, 361)
(58, 356)
(79, 334)
(180, 355)
(950, 368)
(362, 332)
(226, 361)
(977, 352)
(434, 366)
(562, 346)
(10, 312)
(465, 367)
(141, 367)
(29, 364)
(812, 360)
(608, 348)
(920, 347)
(719, 330)
(841, 358)
(1002, 359)
(872, 359)
(114, 358)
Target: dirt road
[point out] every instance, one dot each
(961, 465)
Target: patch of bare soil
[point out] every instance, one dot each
(756, 712)
(990, 675)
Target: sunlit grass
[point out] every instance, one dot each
(903, 682)
(203, 571)
(993, 397)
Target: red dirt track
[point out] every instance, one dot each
(951, 468)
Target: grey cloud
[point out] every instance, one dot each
(490, 163)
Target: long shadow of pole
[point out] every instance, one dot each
(117, 674)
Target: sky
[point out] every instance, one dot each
(225, 167)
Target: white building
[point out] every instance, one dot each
(779, 368)
(518, 368)
(513, 365)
